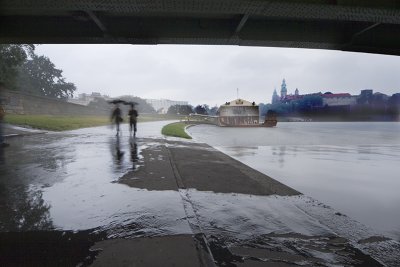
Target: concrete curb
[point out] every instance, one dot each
(7, 136)
(187, 127)
(12, 130)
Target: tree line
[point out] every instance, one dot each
(141, 105)
(188, 109)
(21, 69)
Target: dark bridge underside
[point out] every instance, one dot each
(349, 25)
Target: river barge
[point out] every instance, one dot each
(237, 113)
(242, 113)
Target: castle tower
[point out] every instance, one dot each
(283, 89)
(296, 92)
(275, 97)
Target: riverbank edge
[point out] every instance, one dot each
(176, 129)
(61, 123)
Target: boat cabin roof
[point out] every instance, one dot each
(239, 102)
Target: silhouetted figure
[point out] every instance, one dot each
(2, 114)
(116, 116)
(133, 114)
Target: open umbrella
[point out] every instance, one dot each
(131, 103)
(116, 101)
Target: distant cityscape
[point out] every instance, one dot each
(366, 96)
(368, 105)
(365, 106)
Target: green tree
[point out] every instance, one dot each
(172, 110)
(281, 109)
(12, 56)
(100, 103)
(213, 111)
(207, 108)
(201, 109)
(39, 76)
(180, 109)
(309, 102)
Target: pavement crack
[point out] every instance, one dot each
(192, 218)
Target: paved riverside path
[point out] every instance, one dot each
(155, 201)
(199, 166)
(192, 168)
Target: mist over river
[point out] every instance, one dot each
(354, 167)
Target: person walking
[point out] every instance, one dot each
(116, 116)
(133, 114)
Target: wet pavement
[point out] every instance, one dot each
(88, 197)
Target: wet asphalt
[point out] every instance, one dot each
(88, 197)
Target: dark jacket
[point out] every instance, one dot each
(133, 114)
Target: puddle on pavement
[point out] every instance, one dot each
(64, 181)
(277, 229)
(289, 251)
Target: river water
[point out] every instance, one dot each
(351, 166)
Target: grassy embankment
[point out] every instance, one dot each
(63, 123)
(176, 129)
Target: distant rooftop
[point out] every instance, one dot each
(239, 102)
(336, 95)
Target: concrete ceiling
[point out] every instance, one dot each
(349, 25)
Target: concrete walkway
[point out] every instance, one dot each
(191, 168)
(231, 215)
(199, 166)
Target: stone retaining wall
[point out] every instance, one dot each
(21, 103)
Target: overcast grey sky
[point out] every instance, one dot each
(211, 74)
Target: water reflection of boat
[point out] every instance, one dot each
(270, 119)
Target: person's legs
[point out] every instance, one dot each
(2, 141)
(1, 133)
(117, 124)
(134, 128)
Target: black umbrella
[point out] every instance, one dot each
(116, 101)
(131, 103)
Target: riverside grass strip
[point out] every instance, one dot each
(64, 123)
(176, 129)
(56, 123)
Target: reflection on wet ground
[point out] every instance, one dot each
(48, 248)
(296, 230)
(72, 174)
(68, 191)
(23, 210)
(350, 166)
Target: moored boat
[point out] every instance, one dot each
(242, 113)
